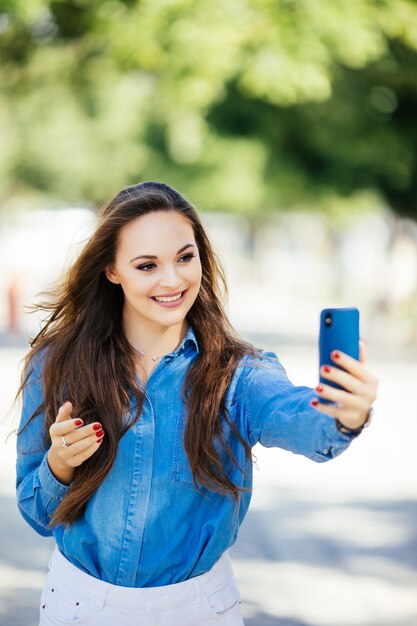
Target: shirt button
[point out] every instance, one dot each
(167, 359)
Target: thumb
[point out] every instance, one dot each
(64, 412)
(362, 351)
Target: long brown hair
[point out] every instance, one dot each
(88, 360)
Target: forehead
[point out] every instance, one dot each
(156, 231)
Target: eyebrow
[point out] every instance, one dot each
(152, 256)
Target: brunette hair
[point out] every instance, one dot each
(88, 360)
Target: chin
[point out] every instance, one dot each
(174, 320)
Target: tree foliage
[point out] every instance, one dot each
(245, 105)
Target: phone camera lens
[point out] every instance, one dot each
(328, 319)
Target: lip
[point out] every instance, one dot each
(171, 305)
(168, 295)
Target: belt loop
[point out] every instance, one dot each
(52, 557)
(198, 592)
(99, 596)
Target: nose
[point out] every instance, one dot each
(170, 278)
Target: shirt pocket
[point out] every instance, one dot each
(181, 471)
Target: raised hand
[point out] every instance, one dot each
(353, 402)
(81, 443)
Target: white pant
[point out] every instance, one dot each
(70, 596)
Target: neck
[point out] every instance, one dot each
(156, 341)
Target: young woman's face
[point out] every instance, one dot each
(157, 257)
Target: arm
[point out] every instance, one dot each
(279, 414)
(38, 491)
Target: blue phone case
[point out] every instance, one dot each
(339, 330)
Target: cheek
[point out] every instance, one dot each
(198, 271)
(137, 284)
(196, 277)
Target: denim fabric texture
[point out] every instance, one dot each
(147, 525)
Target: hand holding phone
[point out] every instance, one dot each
(347, 389)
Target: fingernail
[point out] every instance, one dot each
(319, 389)
(97, 427)
(99, 440)
(78, 422)
(100, 433)
(66, 402)
(314, 402)
(326, 368)
(335, 354)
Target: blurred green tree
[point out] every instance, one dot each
(245, 105)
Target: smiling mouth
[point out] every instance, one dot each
(172, 298)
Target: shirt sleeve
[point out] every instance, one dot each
(38, 491)
(277, 413)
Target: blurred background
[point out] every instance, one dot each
(291, 126)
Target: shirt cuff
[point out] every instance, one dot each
(334, 442)
(49, 483)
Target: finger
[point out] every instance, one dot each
(362, 351)
(356, 368)
(83, 455)
(329, 409)
(351, 365)
(344, 379)
(72, 435)
(79, 446)
(342, 398)
(64, 412)
(363, 384)
(58, 429)
(352, 418)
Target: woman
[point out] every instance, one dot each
(140, 409)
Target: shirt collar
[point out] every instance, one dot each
(189, 338)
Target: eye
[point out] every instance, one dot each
(146, 268)
(188, 257)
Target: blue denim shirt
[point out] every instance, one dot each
(147, 525)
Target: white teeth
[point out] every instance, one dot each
(169, 299)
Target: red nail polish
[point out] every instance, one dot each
(326, 368)
(336, 355)
(78, 422)
(97, 427)
(319, 389)
(99, 440)
(100, 433)
(314, 402)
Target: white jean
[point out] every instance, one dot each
(70, 596)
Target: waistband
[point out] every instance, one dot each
(102, 592)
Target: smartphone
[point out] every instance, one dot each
(339, 330)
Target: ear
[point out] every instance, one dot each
(111, 275)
